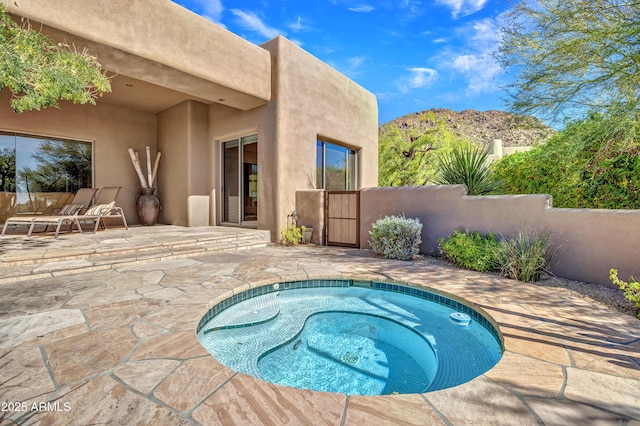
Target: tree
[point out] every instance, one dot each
(40, 72)
(573, 57)
(407, 158)
(593, 163)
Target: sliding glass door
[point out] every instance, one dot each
(240, 181)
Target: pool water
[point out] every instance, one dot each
(353, 354)
(370, 338)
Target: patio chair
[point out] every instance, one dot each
(106, 198)
(83, 197)
(103, 208)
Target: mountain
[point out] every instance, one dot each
(475, 126)
(409, 146)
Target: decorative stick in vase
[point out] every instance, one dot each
(149, 168)
(155, 168)
(136, 165)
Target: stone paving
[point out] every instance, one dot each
(118, 346)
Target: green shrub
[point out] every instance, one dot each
(467, 165)
(593, 163)
(291, 235)
(524, 257)
(470, 250)
(631, 289)
(396, 237)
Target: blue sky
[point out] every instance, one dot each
(413, 55)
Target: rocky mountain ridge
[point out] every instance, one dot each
(475, 126)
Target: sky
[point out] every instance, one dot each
(413, 55)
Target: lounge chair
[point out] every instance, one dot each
(103, 208)
(83, 197)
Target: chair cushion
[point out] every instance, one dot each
(98, 208)
(70, 209)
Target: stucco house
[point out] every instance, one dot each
(241, 127)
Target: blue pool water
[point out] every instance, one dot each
(356, 338)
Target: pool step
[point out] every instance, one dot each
(34, 259)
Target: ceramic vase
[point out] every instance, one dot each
(148, 206)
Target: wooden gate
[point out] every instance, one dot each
(342, 216)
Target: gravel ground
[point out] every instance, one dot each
(613, 298)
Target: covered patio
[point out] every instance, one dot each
(96, 329)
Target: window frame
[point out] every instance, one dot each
(351, 176)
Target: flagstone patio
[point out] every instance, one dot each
(117, 344)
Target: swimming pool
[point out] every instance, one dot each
(352, 337)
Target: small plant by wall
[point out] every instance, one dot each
(470, 250)
(396, 237)
(525, 256)
(631, 289)
(467, 165)
(291, 235)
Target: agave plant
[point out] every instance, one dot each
(467, 165)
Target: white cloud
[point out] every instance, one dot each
(418, 77)
(362, 8)
(412, 5)
(251, 21)
(211, 9)
(475, 62)
(463, 7)
(297, 25)
(480, 71)
(351, 66)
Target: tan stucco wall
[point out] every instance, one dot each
(310, 210)
(587, 242)
(312, 99)
(113, 130)
(185, 165)
(160, 37)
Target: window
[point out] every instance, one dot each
(37, 174)
(336, 167)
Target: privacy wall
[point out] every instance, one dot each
(587, 242)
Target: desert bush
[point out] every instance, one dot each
(291, 235)
(631, 289)
(396, 237)
(470, 250)
(467, 165)
(525, 256)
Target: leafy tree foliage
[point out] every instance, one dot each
(40, 73)
(408, 159)
(573, 57)
(593, 163)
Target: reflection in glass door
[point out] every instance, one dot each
(231, 189)
(240, 181)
